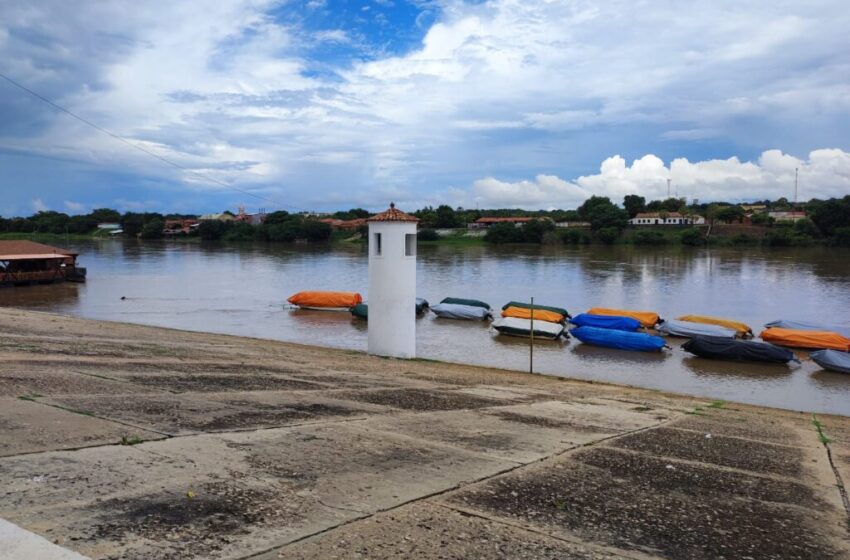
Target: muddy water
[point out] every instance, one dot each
(241, 290)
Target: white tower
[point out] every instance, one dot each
(392, 284)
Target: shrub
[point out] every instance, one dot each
(841, 236)
(427, 234)
(571, 236)
(649, 238)
(608, 235)
(692, 237)
(152, 230)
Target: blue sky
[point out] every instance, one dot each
(325, 104)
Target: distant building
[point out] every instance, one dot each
(257, 219)
(180, 227)
(564, 225)
(344, 224)
(109, 226)
(790, 216)
(754, 208)
(223, 217)
(515, 220)
(666, 219)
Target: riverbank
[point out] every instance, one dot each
(133, 441)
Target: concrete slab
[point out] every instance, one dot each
(676, 511)
(192, 413)
(421, 399)
(18, 380)
(20, 543)
(28, 427)
(737, 423)
(430, 532)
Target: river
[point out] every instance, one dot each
(242, 290)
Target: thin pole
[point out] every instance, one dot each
(668, 188)
(795, 185)
(531, 339)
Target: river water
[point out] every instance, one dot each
(242, 290)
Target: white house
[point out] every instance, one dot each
(791, 216)
(666, 219)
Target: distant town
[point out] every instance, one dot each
(597, 220)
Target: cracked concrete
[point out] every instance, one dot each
(243, 448)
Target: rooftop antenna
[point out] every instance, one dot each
(796, 170)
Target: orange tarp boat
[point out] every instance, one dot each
(326, 300)
(539, 314)
(646, 318)
(806, 339)
(742, 328)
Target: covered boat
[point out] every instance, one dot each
(619, 339)
(541, 312)
(361, 310)
(723, 348)
(806, 326)
(459, 311)
(606, 322)
(646, 318)
(832, 360)
(522, 327)
(742, 329)
(465, 301)
(806, 339)
(329, 301)
(688, 329)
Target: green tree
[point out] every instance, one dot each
(831, 214)
(634, 204)
(602, 213)
(152, 229)
(446, 217)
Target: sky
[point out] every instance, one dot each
(323, 105)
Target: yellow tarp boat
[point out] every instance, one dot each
(806, 339)
(539, 314)
(326, 300)
(646, 318)
(742, 328)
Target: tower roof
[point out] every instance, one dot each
(393, 214)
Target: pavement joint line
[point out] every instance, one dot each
(839, 482)
(570, 538)
(740, 438)
(265, 554)
(693, 463)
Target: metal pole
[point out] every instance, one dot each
(531, 339)
(795, 185)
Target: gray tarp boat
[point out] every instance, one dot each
(688, 329)
(833, 360)
(522, 327)
(458, 311)
(806, 326)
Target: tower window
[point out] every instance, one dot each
(378, 244)
(410, 245)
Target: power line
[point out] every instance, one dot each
(141, 149)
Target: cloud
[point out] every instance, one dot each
(275, 105)
(39, 206)
(75, 207)
(825, 172)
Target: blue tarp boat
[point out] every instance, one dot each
(832, 360)
(619, 339)
(606, 322)
(724, 348)
(688, 329)
(806, 326)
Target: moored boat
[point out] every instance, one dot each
(646, 318)
(541, 312)
(742, 329)
(807, 326)
(466, 301)
(832, 360)
(796, 338)
(723, 348)
(326, 300)
(606, 322)
(687, 329)
(361, 310)
(514, 326)
(621, 340)
(460, 311)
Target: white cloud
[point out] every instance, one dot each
(39, 206)
(75, 207)
(826, 173)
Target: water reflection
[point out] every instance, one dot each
(242, 290)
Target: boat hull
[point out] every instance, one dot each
(606, 322)
(621, 340)
(833, 360)
(721, 348)
(513, 326)
(687, 329)
(646, 318)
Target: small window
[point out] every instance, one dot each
(378, 244)
(410, 245)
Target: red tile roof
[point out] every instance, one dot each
(22, 249)
(393, 215)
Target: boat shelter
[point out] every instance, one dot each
(27, 262)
